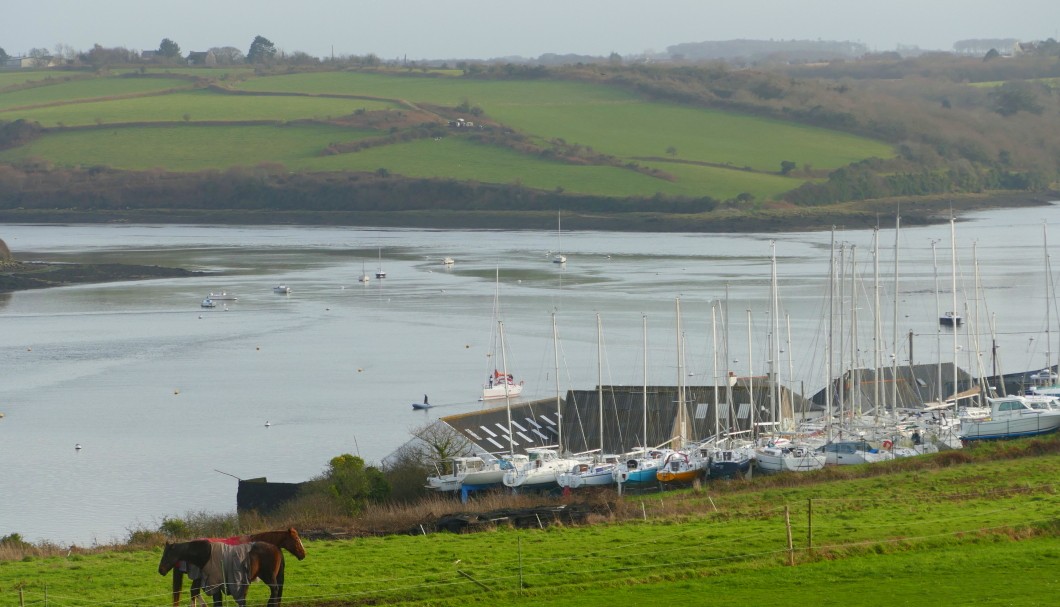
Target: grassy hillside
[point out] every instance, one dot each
(944, 529)
(694, 148)
(697, 152)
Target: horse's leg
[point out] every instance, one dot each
(196, 589)
(178, 584)
(279, 584)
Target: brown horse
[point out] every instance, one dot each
(287, 539)
(223, 568)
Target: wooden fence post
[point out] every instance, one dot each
(809, 526)
(787, 526)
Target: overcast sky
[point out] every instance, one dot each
(483, 29)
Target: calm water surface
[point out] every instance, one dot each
(169, 401)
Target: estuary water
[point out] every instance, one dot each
(169, 401)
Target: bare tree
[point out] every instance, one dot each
(40, 56)
(228, 55)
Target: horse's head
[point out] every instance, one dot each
(169, 559)
(296, 547)
(196, 552)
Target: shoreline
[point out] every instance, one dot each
(24, 276)
(853, 215)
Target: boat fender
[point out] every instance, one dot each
(887, 444)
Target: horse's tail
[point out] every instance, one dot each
(178, 585)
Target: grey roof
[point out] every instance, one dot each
(534, 424)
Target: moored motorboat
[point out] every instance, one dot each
(208, 303)
(950, 319)
(457, 468)
(1014, 417)
(281, 289)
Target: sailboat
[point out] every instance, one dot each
(499, 383)
(681, 466)
(600, 471)
(380, 272)
(558, 257)
(780, 454)
(641, 466)
(364, 278)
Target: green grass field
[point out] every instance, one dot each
(907, 533)
(78, 90)
(705, 151)
(185, 147)
(198, 105)
(17, 77)
(216, 73)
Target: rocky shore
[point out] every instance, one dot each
(19, 276)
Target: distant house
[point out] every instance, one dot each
(206, 58)
(150, 55)
(26, 63)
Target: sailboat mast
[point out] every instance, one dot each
(855, 374)
(894, 324)
(841, 279)
(644, 329)
(714, 340)
(774, 353)
(828, 344)
(791, 372)
(877, 330)
(600, 378)
(953, 296)
(750, 375)
(680, 376)
(938, 326)
(559, 410)
(507, 396)
(1048, 301)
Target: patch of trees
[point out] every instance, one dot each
(270, 187)
(349, 484)
(262, 50)
(424, 131)
(18, 132)
(865, 181)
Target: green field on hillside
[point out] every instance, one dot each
(193, 147)
(16, 77)
(183, 147)
(702, 152)
(79, 90)
(198, 105)
(443, 90)
(608, 119)
(216, 73)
